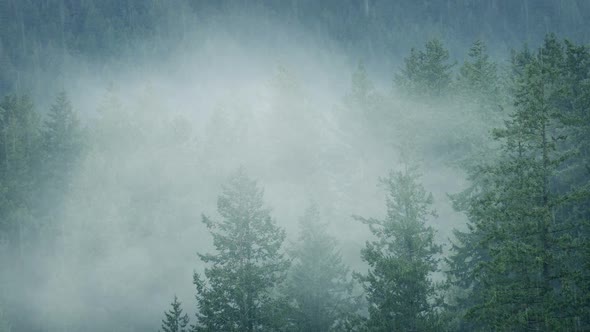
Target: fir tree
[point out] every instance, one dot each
(319, 284)
(19, 152)
(402, 258)
(575, 175)
(522, 237)
(61, 133)
(62, 146)
(237, 293)
(478, 80)
(174, 320)
(426, 73)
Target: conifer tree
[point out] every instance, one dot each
(478, 80)
(238, 291)
(19, 147)
(401, 258)
(174, 320)
(61, 134)
(62, 145)
(575, 175)
(319, 284)
(478, 72)
(521, 236)
(362, 88)
(426, 73)
(366, 109)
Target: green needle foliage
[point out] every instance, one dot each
(237, 293)
(402, 258)
(426, 73)
(516, 261)
(319, 284)
(174, 320)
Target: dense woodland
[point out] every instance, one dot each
(105, 213)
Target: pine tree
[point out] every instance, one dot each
(174, 320)
(237, 293)
(478, 73)
(574, 179)
(522, 276)
(479, 99)
(319, 284)
(426, 73)
(62, 146)
(478, 80)
(366, 110)
(402, 258)
(19, 147)
(362, 88)
(61, 134)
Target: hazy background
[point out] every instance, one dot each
(180, 94)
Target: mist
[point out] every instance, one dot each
(172, 99)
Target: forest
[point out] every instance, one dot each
(296, 165)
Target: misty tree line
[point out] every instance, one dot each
(522, 263)
(41, 34)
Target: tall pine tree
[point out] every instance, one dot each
(401, 258)
(478, 78)
(319, 284)
(62, 141)
(174, 320)
(521, 277)
(426, 73)
(237, 293)
(19, 147)
(62, 147)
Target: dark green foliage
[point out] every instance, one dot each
(478, 80)
(174, 320)
(516, 261)
(401, 259)
(43, 33)
(319, 284)
(237, 291)
(426, 73)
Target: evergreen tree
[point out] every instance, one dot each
(237, 293)
(367, 110)
(575, 174)
(360, 122)
(478, 80)
(318, 285)
(19, 141)
(522, 276)
(174, 320)
(62, 145)
(61, 134)
(362, 89)
(426, 73)
(402, 258)
(478, 72)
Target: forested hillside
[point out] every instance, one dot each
(40, 36)
(355, 165)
